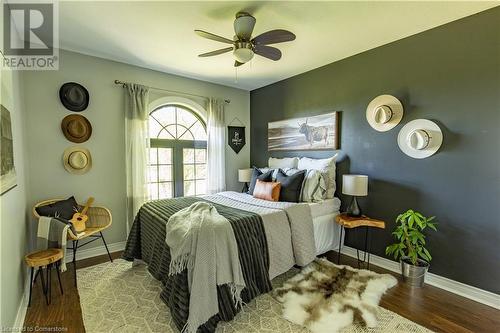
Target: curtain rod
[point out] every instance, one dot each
(173, 91)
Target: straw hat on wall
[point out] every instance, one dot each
(77, 160)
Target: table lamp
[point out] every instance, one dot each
(245, 176)
(357, 186)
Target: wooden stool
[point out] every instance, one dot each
(49, 258)
(350, 222)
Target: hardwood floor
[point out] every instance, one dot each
(434, 308)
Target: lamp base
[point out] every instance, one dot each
(353, 209)
(245, 188)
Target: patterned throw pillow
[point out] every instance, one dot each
(313, 187)
(63, 209)
(327, 168)
(269, 191)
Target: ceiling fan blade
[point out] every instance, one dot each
(273, 37)
(243, 25)
(216, 52)
(268, 52)
(237, 63)
(213, 37)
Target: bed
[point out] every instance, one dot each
(326, 231)
(272, 237)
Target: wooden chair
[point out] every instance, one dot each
(100, 218)
(48, 258)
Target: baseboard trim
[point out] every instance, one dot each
(459, 288)
(80, 254)
(23, 306)
(95, 251)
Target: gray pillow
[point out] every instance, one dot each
(291, 186)
(257, 174)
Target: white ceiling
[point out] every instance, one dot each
(159, 35)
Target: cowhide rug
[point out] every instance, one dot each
(325, 297)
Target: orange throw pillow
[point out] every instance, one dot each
(269, 191)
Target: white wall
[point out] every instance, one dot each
(106, 180)
(14, 214)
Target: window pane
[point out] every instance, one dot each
(201, 155)
(154, 128)
(188, 171)
(164, 155)
(201, 171)
(165, 115)
(201, 187)
(199, 132)
(189, 188)
(164, 173)
(166, 134)
(152, 173)
(188, 156)
(186, 136)
(185, 117)
(153, 191)
(152, 155)
(165, 190)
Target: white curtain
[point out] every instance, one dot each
(216, 147)
(137, 145)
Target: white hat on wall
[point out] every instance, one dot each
(420, 138)
(384, 112)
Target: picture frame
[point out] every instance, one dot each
(319, 132)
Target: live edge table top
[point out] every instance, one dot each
(363, 221)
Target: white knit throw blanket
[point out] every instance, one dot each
(202, 240)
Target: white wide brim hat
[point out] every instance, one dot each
(384, 113)
(77, 160)
(420, 138)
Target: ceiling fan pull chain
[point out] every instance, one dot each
(235, 74)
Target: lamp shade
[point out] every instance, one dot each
(245, 175)
(356, 185)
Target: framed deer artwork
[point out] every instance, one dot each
(307, 133)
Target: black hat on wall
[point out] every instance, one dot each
(74, 96)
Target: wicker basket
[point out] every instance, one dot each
(99, 219)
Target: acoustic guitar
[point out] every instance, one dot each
(79, 218)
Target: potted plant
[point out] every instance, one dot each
(410, 248)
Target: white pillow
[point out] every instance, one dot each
(287, 162)
(313, 187)
(327, 168)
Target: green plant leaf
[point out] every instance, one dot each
(423, 256)
(410, 221)
(427, 254)
(432, 226)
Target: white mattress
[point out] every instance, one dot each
(326, 231)
(326, 207)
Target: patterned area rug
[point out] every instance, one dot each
(116, 297)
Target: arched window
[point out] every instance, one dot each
(178, 152)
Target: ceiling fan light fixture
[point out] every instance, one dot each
(243, 52)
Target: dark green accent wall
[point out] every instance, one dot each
(449, 74)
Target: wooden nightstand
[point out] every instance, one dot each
(349, 222)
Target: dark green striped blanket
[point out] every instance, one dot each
(146, 241)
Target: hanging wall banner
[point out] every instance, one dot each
(236, 137)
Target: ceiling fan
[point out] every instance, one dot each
(244, 46)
